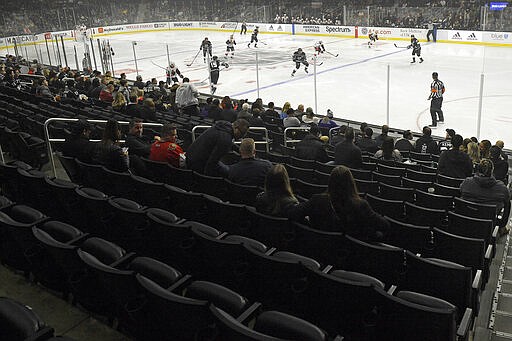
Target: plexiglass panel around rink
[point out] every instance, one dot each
(376, 84)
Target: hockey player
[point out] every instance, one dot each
(319, 47)
(254, 37)
(299, 57)
(172, 73)
(416, 49)
(230, 46)
(373, 38)
(206, 46)
(214, 72)
(244, 28)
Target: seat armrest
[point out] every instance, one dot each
(180, 284)
(123, 260)
(249, 312)
(327, 269)
(495, 232)
(465, 325)
(270, 251)
(78, 240)
(338, 338)
(488, 252)
(222, 235)
(392, 289)
(477, 280)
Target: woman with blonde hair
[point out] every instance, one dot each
(119, 102)
(474, 154)
(278, 198)
(286, 107)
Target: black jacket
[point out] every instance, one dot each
(367, 144)
(133, 110)
(455, 163)
(204, 154)
(138, 145)
(251, 172)
(311, 148)
(80, 147)
(426, 145)
(360, 222)
(111, 156)
(348, 154)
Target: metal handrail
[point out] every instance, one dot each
(286, 141)
(48, 140)
(238, 142)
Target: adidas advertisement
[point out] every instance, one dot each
(465, 36)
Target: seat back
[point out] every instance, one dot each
(417, 239)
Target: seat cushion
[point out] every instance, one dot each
(222, 297)
(158, 272)
(125, 204)
(17, 321)
(60, 231)
(105, 251)
(202, 228)
(252, 243)
(425, 300)
(287, 327)
(161, 215)
(357, 277)
(25, 214)
(290, 256)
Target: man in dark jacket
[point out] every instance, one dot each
(405, 143)
(485, 189)
(78, 144)
(133, 109)
(453, 162)
(137, 143)
(311, 147)
(204, 154)
(367, 143)
(249, 170)
(382, 136)
(347, 153)
(426, 144)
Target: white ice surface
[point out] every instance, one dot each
(353, 85)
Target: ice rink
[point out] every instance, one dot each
(353, 85)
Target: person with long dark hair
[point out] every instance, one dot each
(388, 151)
(278, 198)
(341, 209)
(108, 152)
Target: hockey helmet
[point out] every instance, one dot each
(205, 38)
(231, 36)
(214, 57)
(172, 64)
(257, 27)
(320, 42)
(300, 50)
(412, 35)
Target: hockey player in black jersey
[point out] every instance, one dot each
(299, 57)
(254, 37)
(230, 46)
(373, 37)
(214, 72)
(416, 49)
(206, 46)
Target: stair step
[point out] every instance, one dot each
(506, 287)
(500, 337)
(507, 273)
(505, 303)
(503, 323)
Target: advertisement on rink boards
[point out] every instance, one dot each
(465, 36)
(345, 31)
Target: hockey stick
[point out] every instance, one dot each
(400, 47)
(155, 64)
(192, 62)
(262, 42)
(332, 54)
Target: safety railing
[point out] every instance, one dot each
(251, 129)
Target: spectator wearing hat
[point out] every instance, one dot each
(327, 123)
(312, 147)
(406, 142)
(454, 162)
(366, 143)
(77, 143)
(446, 144)
(485, 189)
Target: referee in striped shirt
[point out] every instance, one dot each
(436, 97)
